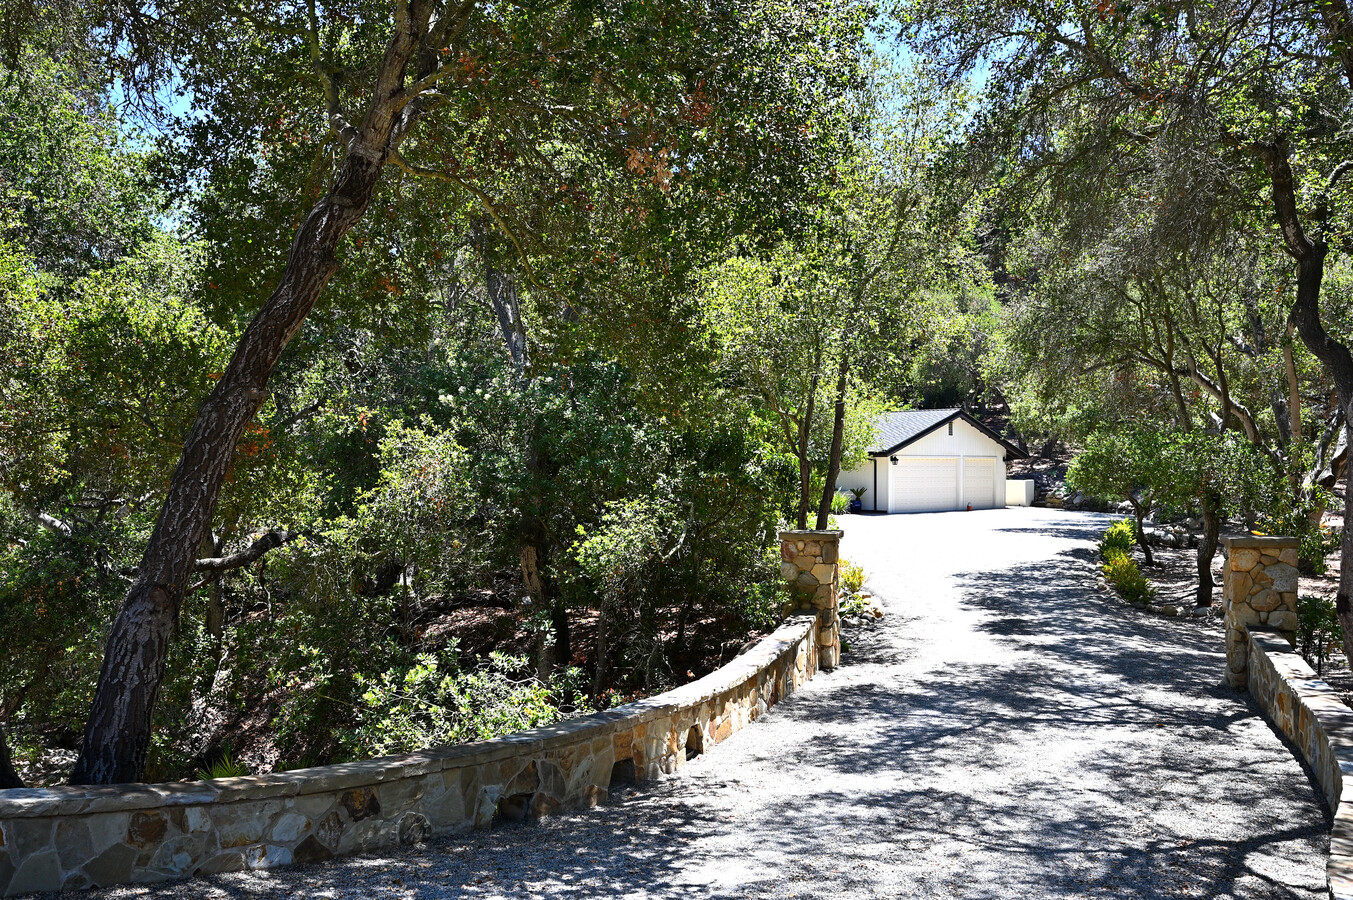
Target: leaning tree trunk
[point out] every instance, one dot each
(117, 733)
(1139, 512)
(824, 507)
(1309, 252)
(1207, 548)
(533, 545)
(801, 451)
(1337, 361)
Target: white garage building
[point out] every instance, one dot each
(930, 460)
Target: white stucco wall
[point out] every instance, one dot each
(1020, 492)
(965, 441)
(863, 477)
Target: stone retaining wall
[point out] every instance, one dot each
(811, 564)
(1259, 584)
(71, 837)
(1313, 718)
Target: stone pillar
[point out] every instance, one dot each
(810, 565)
(1259, 584)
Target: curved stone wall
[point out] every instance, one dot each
(71, 837)
(1313, 718)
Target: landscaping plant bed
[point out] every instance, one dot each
(1174, 575)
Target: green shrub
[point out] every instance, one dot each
(434, 702)
(851, 605)
(1121, 571)
(1295, 520)
(840, 503)
(1118, 540)
(225, 767)
(1318, 631)
(852, 577)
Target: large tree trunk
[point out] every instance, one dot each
(1207, 549)
(8, 777)
(824, 507)
(117, 733)
(1341, 604)
(1309, 253)
(801, 450)
(533, 546)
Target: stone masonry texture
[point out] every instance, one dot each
(810, 564)
(74, 838)
(1259, 585)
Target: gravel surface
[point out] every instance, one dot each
(1005, 732)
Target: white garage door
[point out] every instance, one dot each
(924, 484)
(979, 482)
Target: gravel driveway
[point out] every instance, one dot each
(1005, 732)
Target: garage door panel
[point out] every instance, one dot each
(924, 484)
(979, 482)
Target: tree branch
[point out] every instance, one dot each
(51, 523)
(255, 551)
(338, 121)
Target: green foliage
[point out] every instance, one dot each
(1118, 539)
(1297, 520)
(852, 605)
(840, 503)
(852, 577)
(1121, 465)
(758, 606)
(223, 767)
(432, 703)
(1222, 468)
(1319, 633)
(1121, 571)
(76, 190)
(644, 438)
(1120, 568)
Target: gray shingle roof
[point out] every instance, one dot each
(897, 428)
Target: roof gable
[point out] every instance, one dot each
(898, 429)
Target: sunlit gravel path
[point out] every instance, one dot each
(1006, 732)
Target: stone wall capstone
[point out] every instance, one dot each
(1259, 584)
(80, 837)
(811, 562)
(1319, 724)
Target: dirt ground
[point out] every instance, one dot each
(1175, 575)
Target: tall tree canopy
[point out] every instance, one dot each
(605, 138)
(1204, 124)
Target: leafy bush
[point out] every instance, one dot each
(760, 603)
(432, 703)
(224, 767)
(1118, 540)
(1318, 631)
(1317, 542)
(840, 503)
(852, 577)
(852, 605)
(852, 582)
(1121, 571)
